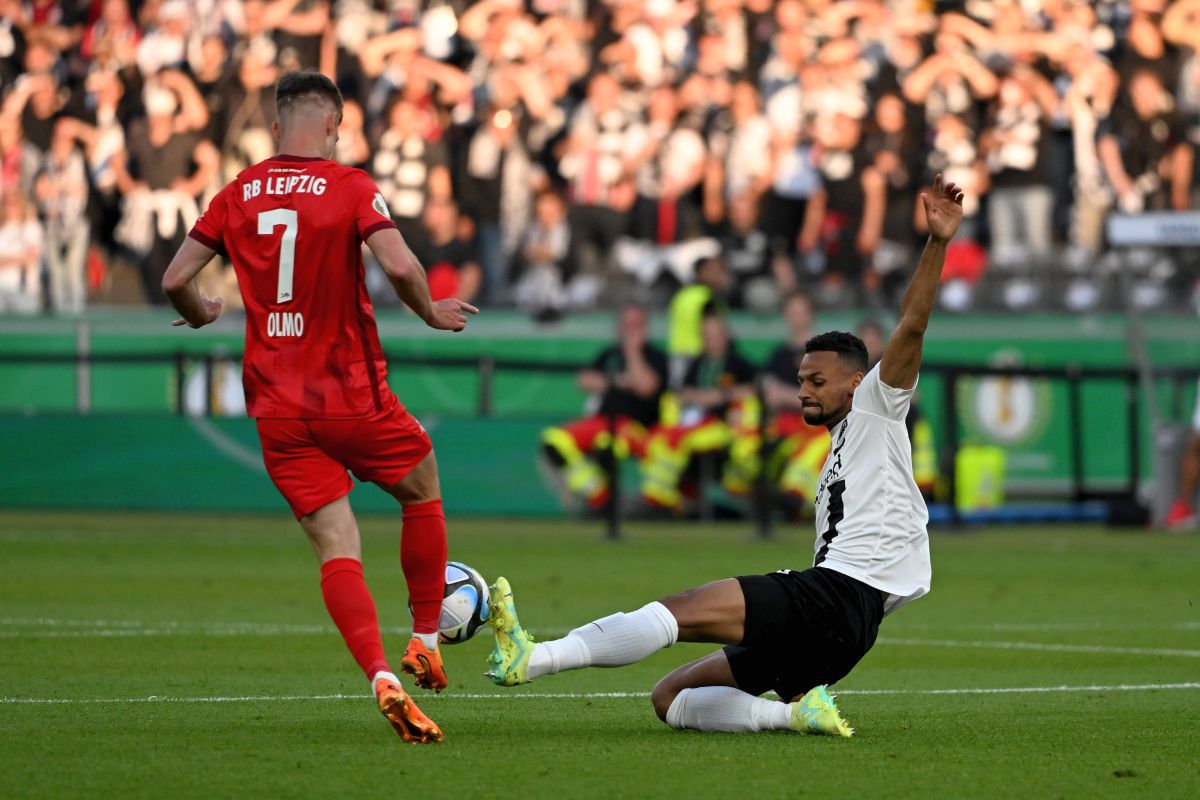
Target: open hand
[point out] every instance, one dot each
(450, 315)
(212, 310)
(943, 209)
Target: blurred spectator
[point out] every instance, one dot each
(541, 286)
(951, 80)
(496, 192)
(689, 308)
(248, 109)
(1087, 100)
(37, 98)
(845, 220)
(743, 148)
(20, 255)
(353, 148)
(598, 160)
(1015, 147)
(761, 274)
(715, 402)
(796, 450)
(624, 384)
(448, 258)
(165, 44)
(1146, 155)
(113, 37)
(161, 175)
(410, 168)
(62, 193)
(103, 135)
(894, 148)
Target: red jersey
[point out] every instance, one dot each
(293, 228)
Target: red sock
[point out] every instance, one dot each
(353, 612)
(423, 559)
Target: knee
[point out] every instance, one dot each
(664, 694)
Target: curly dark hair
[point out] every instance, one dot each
(297, 86)
(848, 347)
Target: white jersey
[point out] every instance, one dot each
(871, 518)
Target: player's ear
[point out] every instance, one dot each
(275, 130)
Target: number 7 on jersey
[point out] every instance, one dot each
(267, 222)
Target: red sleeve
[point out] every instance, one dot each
(370, 209)
(209, 229)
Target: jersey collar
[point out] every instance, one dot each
(286, 157)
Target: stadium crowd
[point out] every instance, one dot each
(565, 154)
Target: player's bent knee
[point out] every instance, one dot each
(664, 694)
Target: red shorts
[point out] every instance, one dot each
(307, 459)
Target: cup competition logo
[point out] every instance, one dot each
(1005, 409)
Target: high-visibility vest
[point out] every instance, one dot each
(685, 316)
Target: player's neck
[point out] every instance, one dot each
(301, 148)
(831, 425)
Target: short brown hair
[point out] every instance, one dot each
(295, 87)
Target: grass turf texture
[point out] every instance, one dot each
(98, 607)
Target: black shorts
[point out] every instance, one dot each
(803, 629)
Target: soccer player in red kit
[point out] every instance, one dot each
(315, 374)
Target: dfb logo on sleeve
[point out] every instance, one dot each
(380, 205)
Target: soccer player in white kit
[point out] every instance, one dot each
(793, 632)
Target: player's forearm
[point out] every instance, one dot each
(186, 300)
(403, 270)
(412, 287)
(917, 304)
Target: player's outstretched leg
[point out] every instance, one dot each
(400, 710)
(816, 712)
(508, 665)
(613, 641)
(730, 710)
(704, 696)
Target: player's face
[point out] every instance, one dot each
(826, 388)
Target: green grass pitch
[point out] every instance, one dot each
(190, 656)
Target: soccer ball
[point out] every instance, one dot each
(465, 606)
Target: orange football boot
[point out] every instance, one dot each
(425, 665)
(400, 710)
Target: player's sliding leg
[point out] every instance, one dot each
(704, 696)
(712, 613)
(423, 558)
(333, 532)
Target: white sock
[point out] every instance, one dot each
(383, 674)
(430, 640)
(613, 641)
(727, 710)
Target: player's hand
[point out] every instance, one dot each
(943, 209)
(450, 315)
(212, 310)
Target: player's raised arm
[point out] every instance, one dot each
(902, 358)
(179, 284)
(408, 278)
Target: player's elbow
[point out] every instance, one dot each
(173, 281)
(912, 325)
(398, 269)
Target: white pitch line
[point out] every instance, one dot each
(110, 629)
(1047, 647)
(518, 695)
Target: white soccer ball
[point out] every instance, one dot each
(465, 605)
